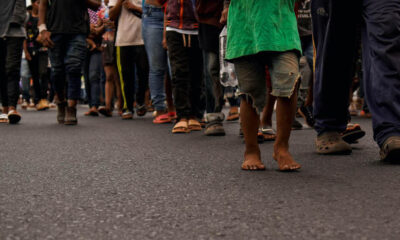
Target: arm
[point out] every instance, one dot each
(45, 35)
(93, 4)
(133, 7)
(116, 10)
(224, 15)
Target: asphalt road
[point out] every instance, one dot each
(113, 179)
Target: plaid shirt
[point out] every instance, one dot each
(94, 18)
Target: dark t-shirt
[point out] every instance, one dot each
(304, 18)
(68, 16)
(32, 33)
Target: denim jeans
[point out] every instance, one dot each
(95, 75)
(213, 88)
(152, 31)
(25, 76)
(67, 57)
(10, 67)
(40, 74)
(334, 69)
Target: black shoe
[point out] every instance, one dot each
(307, 113)
(390, 150)
(70, 116)
(296, 125)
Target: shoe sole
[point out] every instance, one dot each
(352, 137)
(342, 152)
(216, 133)
(70, 123)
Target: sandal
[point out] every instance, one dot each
(331, 143)
(105, 111)
(233, 114)
(268, 133)
(141, 111)
(181, 127)
(352, 133)
(172, 115)
(92, 113)
(3, 118)
(163, 118)
(194, 125)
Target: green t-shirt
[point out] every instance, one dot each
(261, 25)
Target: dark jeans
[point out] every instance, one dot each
(93, 73)
(40, 75)
(335, 37)
(187, 73)
(67, 57)
(10, 66)
(132, 61)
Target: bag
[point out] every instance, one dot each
(227, 73)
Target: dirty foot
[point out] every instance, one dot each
(285, 161)
(252, 162)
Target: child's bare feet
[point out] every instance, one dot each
(285, 160)
(252, 161)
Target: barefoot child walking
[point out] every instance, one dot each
(264, 33)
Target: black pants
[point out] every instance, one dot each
(187, 73)
(40, 74)
(10, 66)
(132, 61)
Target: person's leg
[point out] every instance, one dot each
(125, 59)
(25, 78)
(3, 76)
(34, 69)
(179, 58)
(95, 72)
(252, 87)
(195, 77)
(152, 30)
(333, 28)
(381, 53)
(44, 74)
(109, 92)
(208, 91)
(74, 58)
(142, 67)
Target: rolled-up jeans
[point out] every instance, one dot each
(152, 31)
(67, 57)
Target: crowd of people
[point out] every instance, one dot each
(172, 59)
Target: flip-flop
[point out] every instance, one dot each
(352, 133)
(181, 127)
(268, 133)
(194, 125)
(163, 118)
(232, 116)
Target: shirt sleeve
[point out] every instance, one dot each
(112, 3)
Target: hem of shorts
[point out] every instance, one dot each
(287, 94)
(247, 95)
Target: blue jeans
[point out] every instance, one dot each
(95, 75)
(25, 77)
(67, 57)
(152, 31)
(334, 69)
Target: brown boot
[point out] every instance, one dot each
(70, 117)
(61, 107)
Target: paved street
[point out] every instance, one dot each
(113, 179)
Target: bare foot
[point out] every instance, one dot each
(252, 162)
(285, 161)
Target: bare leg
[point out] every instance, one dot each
(266, 117)
(250, 121)
(109, 86)
(285, 114)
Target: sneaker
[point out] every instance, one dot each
(126, 115)
(214, 126)
(332, 143)
(13, 117)
(296, 125)
(390, 150)
(24, 104)
(61, 108)
(3, 118)
(70, 116)
(307, 113)
(42, 105)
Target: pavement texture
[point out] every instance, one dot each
(112, 179)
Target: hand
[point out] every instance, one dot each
(224, 16)
(46, 39)
(91, 45)
(128, 5)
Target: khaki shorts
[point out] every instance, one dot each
(251, 73)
